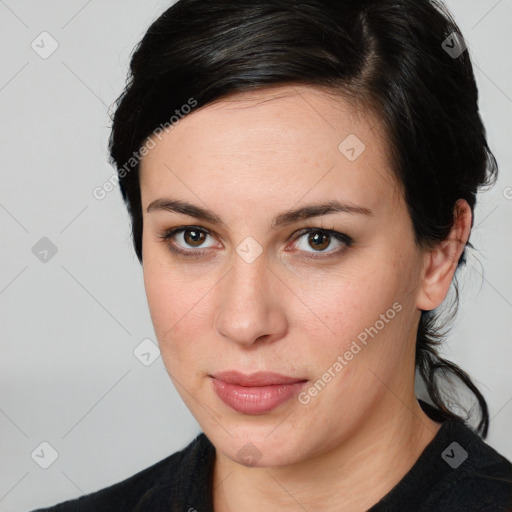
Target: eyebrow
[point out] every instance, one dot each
(283, 219)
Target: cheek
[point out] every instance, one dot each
(174, 303)
(171, 292)
(161, 295)
(366, 309)
(357, 298)
(182, 303)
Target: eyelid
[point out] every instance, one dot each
(167, 235)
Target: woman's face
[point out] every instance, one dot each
(258, 289)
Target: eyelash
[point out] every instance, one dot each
(341, 237)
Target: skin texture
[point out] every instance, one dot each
(248, 158)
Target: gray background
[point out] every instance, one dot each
(69, 325)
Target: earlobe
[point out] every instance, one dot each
(441, 261)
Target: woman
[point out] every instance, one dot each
(301, 179)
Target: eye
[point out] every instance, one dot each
(320, 240)
(184, 239)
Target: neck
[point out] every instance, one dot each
(352, 477)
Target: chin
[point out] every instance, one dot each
(259, 447)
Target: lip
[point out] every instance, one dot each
(256, 393)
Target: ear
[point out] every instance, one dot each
(441, 261)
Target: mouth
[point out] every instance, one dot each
(257, 393)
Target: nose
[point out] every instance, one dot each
(251, 304)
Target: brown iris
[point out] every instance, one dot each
(317, 238)
(196, 237)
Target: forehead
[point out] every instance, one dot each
(298, 140)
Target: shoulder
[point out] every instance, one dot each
(475, 474)
(456, 471)
(164, 482)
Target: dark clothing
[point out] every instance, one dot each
(456, 472)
